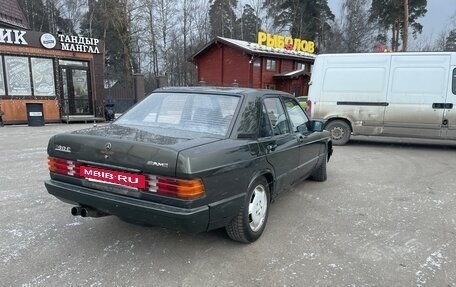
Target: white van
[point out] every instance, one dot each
(385, 94)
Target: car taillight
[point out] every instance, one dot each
(63, 166)
(309, 107)
(181, 188)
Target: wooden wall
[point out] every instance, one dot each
(15, 111)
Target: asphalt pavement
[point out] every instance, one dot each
(386, 216)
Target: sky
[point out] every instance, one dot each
(437, 19)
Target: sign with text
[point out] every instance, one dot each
(113, 176)
(286, 42)
(79, 44)
(49, 41)
(10, 36)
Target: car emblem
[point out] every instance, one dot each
(63, 148)
(108, 146)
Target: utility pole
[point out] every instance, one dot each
(405, 26)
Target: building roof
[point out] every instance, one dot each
(256, 49)
(292, 74)
(11, 15)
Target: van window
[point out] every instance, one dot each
(454, 81)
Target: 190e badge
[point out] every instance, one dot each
(63, 148)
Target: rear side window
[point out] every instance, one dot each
(277, 116)
(265, 125)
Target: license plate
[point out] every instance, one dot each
(113, 176)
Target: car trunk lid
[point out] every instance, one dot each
(124, 148)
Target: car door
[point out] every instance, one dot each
(309, 142)
(280, 144)
(449, 116)
(416, 96)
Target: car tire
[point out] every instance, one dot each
(340, 132)
(251, 220)
(320, 173)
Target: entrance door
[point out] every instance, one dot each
(76, 92)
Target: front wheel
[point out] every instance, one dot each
(250, 222)
(320, 174)
(340, 132)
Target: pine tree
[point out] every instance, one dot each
(248, 25)
(356, 26)
(306, 19)
(389, 14)
(222, 18)
(450, 44)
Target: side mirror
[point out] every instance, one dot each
(317, 126)
(302, 129)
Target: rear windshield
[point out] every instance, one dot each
(205, 113)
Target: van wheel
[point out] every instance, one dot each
(250, 222)
(340, 132)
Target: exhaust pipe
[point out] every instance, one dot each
(76, 210)
(90, 212)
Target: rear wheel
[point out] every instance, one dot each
(340, 132)
(250, 222)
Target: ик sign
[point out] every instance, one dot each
(277, 41)
(10, 36)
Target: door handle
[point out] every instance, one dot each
(442, 105)
(272, 147)
(438, 105)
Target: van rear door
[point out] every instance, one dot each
(416, 95)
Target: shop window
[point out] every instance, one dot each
(271, 65)
(2, 81)
(43, 77)
(17, 76)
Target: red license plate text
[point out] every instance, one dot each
(112, 176)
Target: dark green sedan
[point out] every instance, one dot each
(192, 159)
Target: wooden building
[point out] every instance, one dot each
(226, 62)
(50, 77)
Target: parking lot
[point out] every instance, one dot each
(386, 216)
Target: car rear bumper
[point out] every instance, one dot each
(133, 209)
